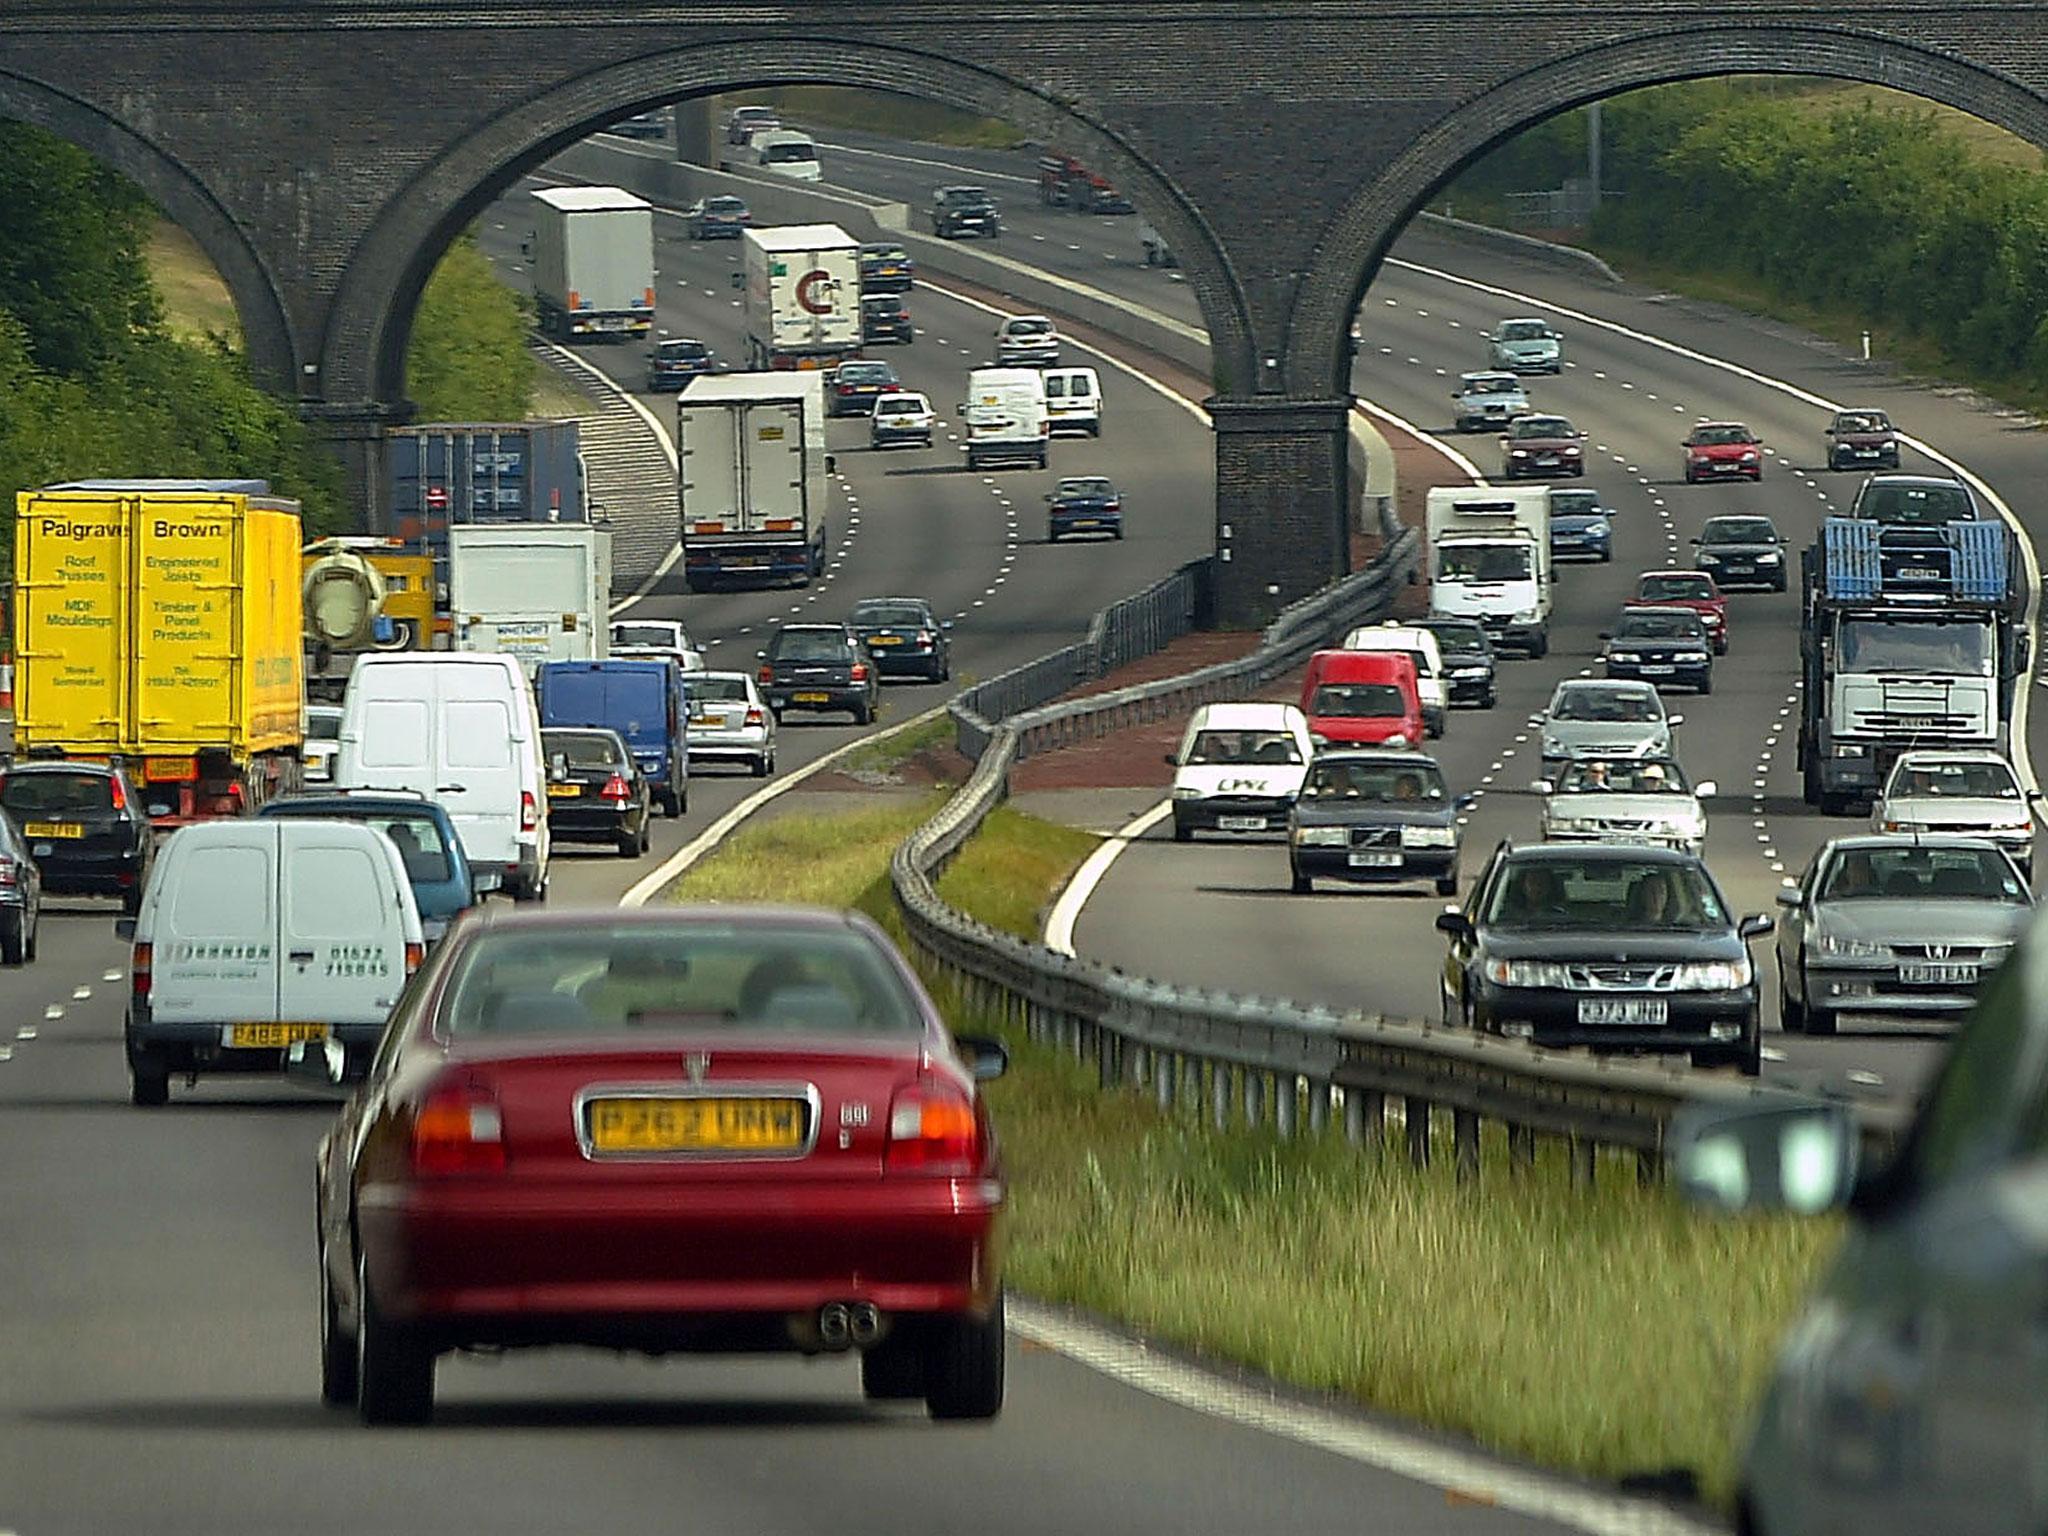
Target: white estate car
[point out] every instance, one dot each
(1239, 768)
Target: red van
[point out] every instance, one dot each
(1362, 699)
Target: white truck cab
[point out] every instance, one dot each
(1489, 560)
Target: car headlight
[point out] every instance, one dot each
(1552, 747)
(1770, 557)
(1398, 739)
(1850, 949)
(1573, 824)
(1749, 456)
(1708, 557)
(1521, 453)
(1713, 975)
(1182, 792)
(1598, 528)
(1317, 738)
(1993, 954)
(1851, 749)
(1527, 616)
(1572, 450)
(1322, 837)
(1429, 837)
(1468, 672)
(1623, 656)
(1527, 973)
(1690, 656)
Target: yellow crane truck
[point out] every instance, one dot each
(158, 622)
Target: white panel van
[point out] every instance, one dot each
(1006, 418)
(1420, 646)
(255, 935)
(460, 728)
(1073, 399)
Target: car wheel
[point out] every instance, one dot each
(394, 1367)
(1182, 832)
(337, 1347)
(35, 931)
(964, 1367)
(862, 714)
(1706, 684)
(1689, 480)
(1539, 647)
(131, 900)
(1606, 555)
(1820, 1021)
(892, 1371)
(149, 1082)
(12, 949)
(1447, 885)
(1299, 883)
(1791, 1015)
(628, 845)
(1490, 700)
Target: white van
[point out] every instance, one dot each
(461, 728)
(1421, 646)
(1006, 417)
(1239, 768)
(257, 934)
(785, 152)
(1073, 398)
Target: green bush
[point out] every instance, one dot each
(468, 359)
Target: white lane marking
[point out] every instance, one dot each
(27, 1032)
(54, 1011)
(80, 994)
(110, 975)
(2022, 758)
(1066, 911)
(1406, 1455)
(943, 165)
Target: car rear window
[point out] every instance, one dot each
(323, 726)
(732, 690)
(889, 613)
(1359, 701)
(809, 645)
(584, 749)
(683, 977)
(56, 793)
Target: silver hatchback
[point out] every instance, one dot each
(1592, 718)
(730, 721)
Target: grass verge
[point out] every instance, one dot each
(879, 758)
(1603, 1331)
(197, 303)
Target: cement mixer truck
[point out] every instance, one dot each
(349, 598)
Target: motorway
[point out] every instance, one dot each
(157, 1320)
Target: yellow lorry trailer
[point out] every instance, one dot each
(158, 622)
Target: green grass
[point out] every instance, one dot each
(897, 117)
(554, 396)
(197, 303)
(1603, 1331)
(882, 756)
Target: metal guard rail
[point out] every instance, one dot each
(1272, 1061)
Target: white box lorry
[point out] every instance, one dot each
(802, 296)
(1489, 559)
(1006, 416)
(592, 250)
(753, 478)
(538, 591)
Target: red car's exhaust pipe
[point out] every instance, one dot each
(835, 1328)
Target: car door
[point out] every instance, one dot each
(341, 932)
(476, 773)
(213, 926)
(1463, 948)
(1795, 920)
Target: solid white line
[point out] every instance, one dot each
(2022, 758)
(1059, 923)
(1464, 1473)
(719, 830)
(941, 165)
(1455, 455)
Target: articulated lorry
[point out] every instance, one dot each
(801, 307)
(753, 478)
(592, 251)
(538, 591)
(159, 622)
(1489, 560)
(1909, 637)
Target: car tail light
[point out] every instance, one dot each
(860, 672)
(765, 676)
(9, 874)
(1114, 506)
(139, 972)
(414, 954)
(924, 637)
(755, 717)
(529, 811)
(120, 795)
(458, 1130)
(933, 1128)
(615, 788)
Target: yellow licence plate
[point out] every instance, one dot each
(52, 829)
(696, 1125)
(564, 791)
(886, 640)
(811, 698)
(271, 1037)
(703, 719)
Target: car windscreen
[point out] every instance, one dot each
(1862, 421)
(1541, 427)
(897, 615)
(808, 646)
(1605, 895)
(1623, 776)
(1668, 589)
(583, 749)
(1216, 747)
(1483, 562)
(1720, 436)
(1928, 647)
(1575, 504)
(717, 690)
(1499, 385)
(660, 636)
(323, 726)
(1739, 530)
(1523, 330)
(1659, 626)
(1914, 504)
(1397, 783)
(788, 154)
(1911, 872)
(1359, 701)
(44, 794)
(1605, 704)
(1956, 781)
(602, 979)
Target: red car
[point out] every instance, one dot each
(1362, 699)
(1536, 446)
(1689, 589)
(1723, 450)
(707, 1129)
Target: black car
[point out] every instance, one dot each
(1374, 816)
(1620, 948)
(885, 317)
(84, 828)
(1468, 658)
(961, 211)
(1660, 645)
(21, 896)
(1742, 551)
(904, 636)
(852, 388)
(718, 218)
(1084, 504)
(672, 364)
(596, 792)
(885, 267)
(820, 667)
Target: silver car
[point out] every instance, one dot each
(1594, 718)
(1887, 929)
(1484, 400)
(1523, 345)
(1625, 800)
(1027, 341)
(1971, 794)
(730, 721)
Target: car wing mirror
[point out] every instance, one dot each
(945, 623)
(1791, 896)
(1541, 787)
(1606, 634)
(1755, 925)
(1172, 759)
(1674, 719)
(1706, 789)
(1798, 1157)
(124, 928)
(986, 1058)
(1464, 802)
(1454, 922)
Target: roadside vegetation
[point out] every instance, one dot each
(1607, 1331)
(1837, 208)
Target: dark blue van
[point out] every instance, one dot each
(642, 699)
(443, 885)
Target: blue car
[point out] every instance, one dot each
(443, 884)
(1580, 525)
(1084, 504)
(641, 699)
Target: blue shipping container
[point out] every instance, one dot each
(520, 472)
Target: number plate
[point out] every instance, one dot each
(269, 1037)
(885, 640)
(1241, 823)
(810, 696)
(1959, 972)
(1374, 859)
(625, 1126)
(564, 791)
(52, 829)
(1623, 1010)
(1657, 669)
(705, 720)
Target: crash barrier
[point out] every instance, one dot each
(1528, 247)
